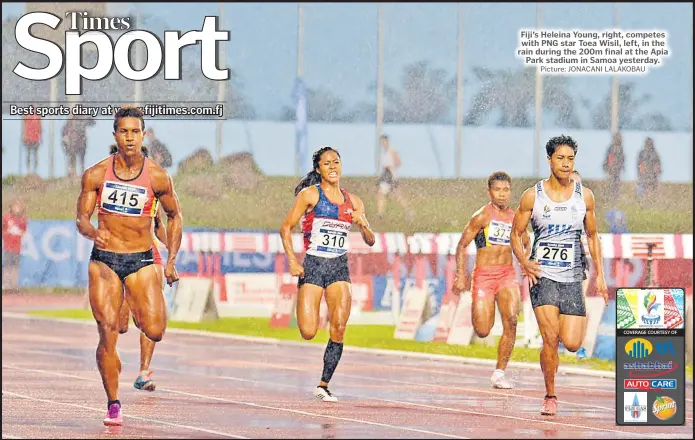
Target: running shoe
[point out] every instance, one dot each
(114, 416)
(145, 382)
(549, 407)
(325, 395)
(581, 354)
(499, 380)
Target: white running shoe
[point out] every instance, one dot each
(325, 395)
(499, 380)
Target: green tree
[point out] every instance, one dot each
(630, 111)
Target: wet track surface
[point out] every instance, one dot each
(210, 387)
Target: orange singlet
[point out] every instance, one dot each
(128, 198)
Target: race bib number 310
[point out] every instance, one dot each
(121, 198)
(555, 254)
(331, 236)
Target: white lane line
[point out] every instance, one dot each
(238, 402)
(62, 403)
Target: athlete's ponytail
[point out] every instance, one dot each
(313, 177)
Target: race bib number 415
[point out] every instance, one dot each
(121, 198)
(555, 254)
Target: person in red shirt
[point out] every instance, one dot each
(14, 225)
(31, 139)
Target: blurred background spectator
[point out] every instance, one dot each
(14, 225)
(158, 150)
(75, 142)
(31, 140)
(388, 178)
(614, 166)
(648, 171)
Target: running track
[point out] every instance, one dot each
(215, 387)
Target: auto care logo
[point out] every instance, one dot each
(635, 408)
(646, 370)
(649, 384)
(651, 305)
(638, 348)
(664, 408)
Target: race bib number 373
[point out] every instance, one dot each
(121, 198)
(555, 254)
(499, 233)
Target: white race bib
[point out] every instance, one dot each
(555, 254)
(499, 233)
(124, 199)
(329, 237)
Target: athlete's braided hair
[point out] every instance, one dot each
(313, 177)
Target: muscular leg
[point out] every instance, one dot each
(123, 318)
(146, 302)
(106, 298)
(308, 308)
(548, 318)
(146, 345)
(339, 301)
(572, 331)
(483, 314)
(508, 304)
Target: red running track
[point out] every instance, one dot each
(216, 387)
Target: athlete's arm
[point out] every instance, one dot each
(526, 241)
(306, 198)
(474, 225)
(594, 242)
(163, 188)
(360, 219)
(522, 216)
(86, 203)
(160, 231)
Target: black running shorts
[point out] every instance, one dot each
(568, 297)
(123, 264)
(323, 272)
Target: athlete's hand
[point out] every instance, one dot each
(532, 269)
(459, 285)
(102, 238)
(601, 287)
(170, 273)
(359, 219)
(296, 269)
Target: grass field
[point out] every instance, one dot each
(441, 205)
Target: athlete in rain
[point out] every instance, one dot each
(126, 187)
(494, 278)
(558, 208)
(328, 213)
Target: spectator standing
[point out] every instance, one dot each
(158, 151)
(388, 178)
(613, 165)
(31, 140)
(648, 171)
(14, 226)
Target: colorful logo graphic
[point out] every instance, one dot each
(652, 316)
(649, 384)
(638, 348)
(664, 408)
(645, 370)
(665, 348)
(635, 409)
